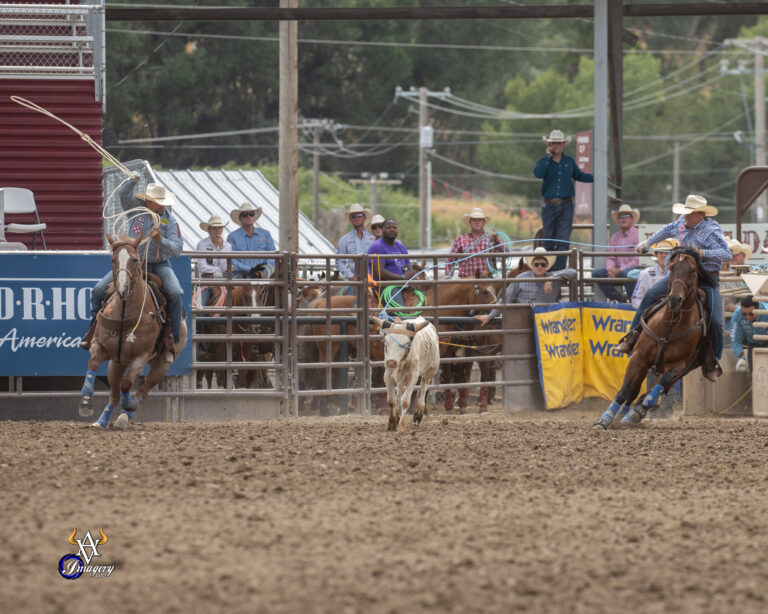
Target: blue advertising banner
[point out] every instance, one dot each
(45, 303)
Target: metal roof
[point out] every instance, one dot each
(201, 194)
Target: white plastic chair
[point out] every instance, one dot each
(21, 200)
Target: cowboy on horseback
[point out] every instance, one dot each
(165, 243)
(694, 228)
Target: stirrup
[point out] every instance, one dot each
(627, 344)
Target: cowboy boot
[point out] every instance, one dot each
(86, 342)
(709, 365)
(627, 343)
(482, 400)
(463, 398)
(448, 400)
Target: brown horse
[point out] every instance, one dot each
(127, 332)
(682, 319)
(212, 351)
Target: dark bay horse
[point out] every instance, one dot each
(126, 334)
(213, 351)
(672, 340)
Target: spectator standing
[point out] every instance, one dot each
(476, 241)
(356, 241)
(558, 172)
(623, 240)
(386, 269)
(377, 223)
(531, 292)
(250, 238)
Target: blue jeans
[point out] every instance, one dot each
(171, 290)
(659, 289)
(611, 291)
(557, 223)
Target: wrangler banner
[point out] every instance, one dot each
(576, 345)
(558, 344)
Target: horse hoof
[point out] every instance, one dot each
(634, 417)
(122, 422)
(99, 425)
(86, 406)
(599, 426)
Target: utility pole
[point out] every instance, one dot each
(316, 174)
(288, 144)
(600, 134)
(757, 46)
(374, 180)
(423, 210)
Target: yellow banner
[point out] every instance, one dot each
(602, 328)
(576, 343)
(558, 340)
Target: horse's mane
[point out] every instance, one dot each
(705, 277)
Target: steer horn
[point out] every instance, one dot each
(418, 326)
(379, 322)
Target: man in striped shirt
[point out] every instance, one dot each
(476, 241)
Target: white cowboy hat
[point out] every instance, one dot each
(235, 214)
(540, 252)
(157, 194)
(737, 247)
(625, 208)
(475, 214)
(694, 204)
(213, 222)
(377, 219)
(556, 136)
(665, 245)
(358, 208)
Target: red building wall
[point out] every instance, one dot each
(43, 155)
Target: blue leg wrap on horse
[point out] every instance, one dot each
(623, 411)
(125, 400)
(609, 414)
(653, 396)
(90, 377)
(105, 416)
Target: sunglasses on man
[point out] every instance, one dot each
(624, 215)
(539, 264)
(248, 214)
(357, 215)
(749, 314)
(376, 226)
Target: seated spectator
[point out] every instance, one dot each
(386, 269)
(214, 242)
(356, 241)
(624, 240)
(658, 271)
(740, 254)
(250, 238)
(743, 331)
(377, 223)
(531, 292)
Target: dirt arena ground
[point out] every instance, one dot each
(491, 513)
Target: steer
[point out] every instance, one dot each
(411, 349)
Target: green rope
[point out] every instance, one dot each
(386, 299)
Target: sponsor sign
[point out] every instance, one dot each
(576, 346)
(45, 303)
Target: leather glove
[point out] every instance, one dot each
(218, 275)
(741, 365)
(642, 247)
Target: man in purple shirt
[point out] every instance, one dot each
(387, 269)
(624, 240)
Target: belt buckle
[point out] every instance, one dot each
(556, 202)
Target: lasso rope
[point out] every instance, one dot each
(387, 293)
(129, 176)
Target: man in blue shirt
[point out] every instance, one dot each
(743, 331)
(356, 241)
(558, 172)
(694, 228)
(249, 238)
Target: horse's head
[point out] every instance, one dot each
(684, 273)
(484, 288)
(126, 264)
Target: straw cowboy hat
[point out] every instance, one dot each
(157, 194)
(475, 214)
(213, 222)
(556, 136)
(358, 208)
(235, 213)
(737, 247)
(540, 252)
(694, 204)
(665, 245)
(625, 208)
(377, 219)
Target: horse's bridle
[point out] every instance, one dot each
(672, 282)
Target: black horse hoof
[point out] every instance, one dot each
(600, 426)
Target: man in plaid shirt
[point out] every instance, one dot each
(473, 242)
